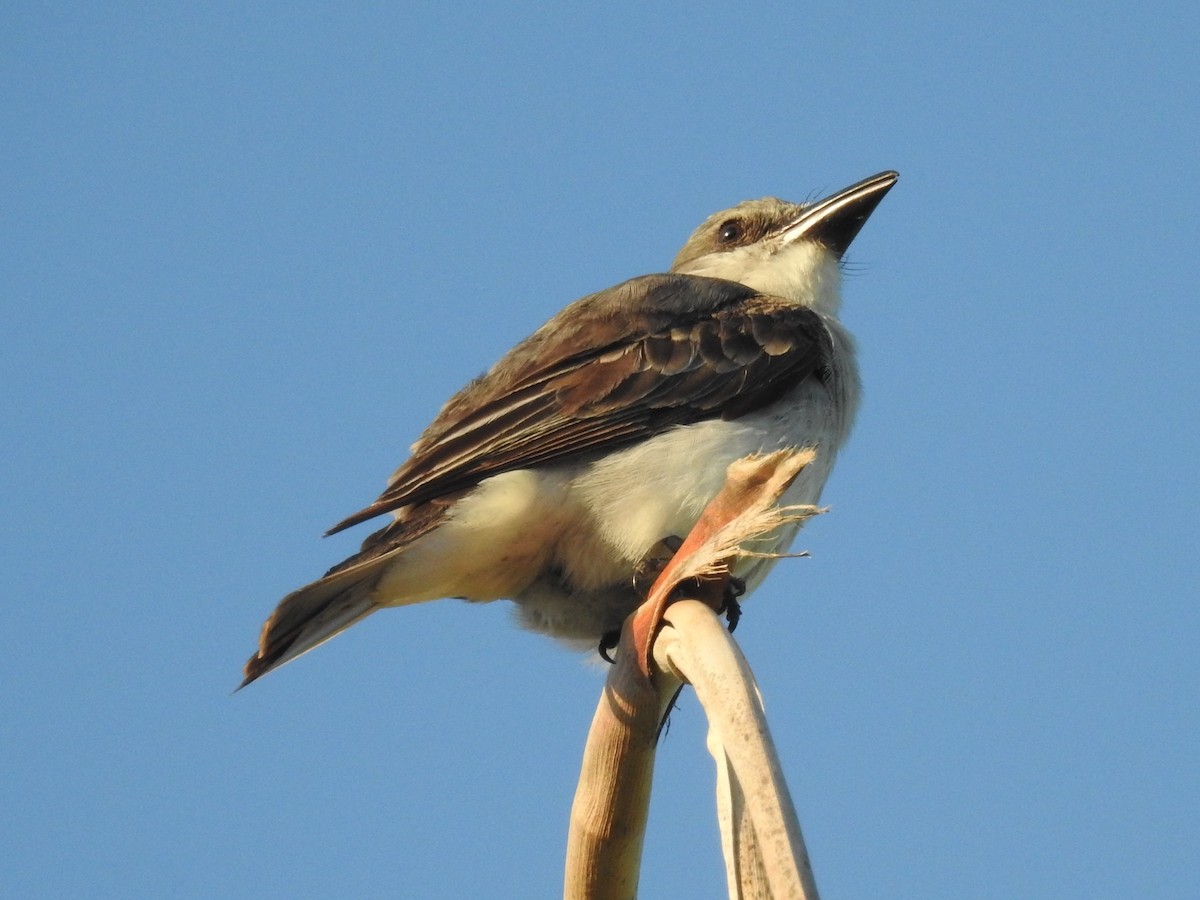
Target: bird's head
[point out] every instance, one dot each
(789, 250)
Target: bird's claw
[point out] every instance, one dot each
(732, 608)
(608, 642)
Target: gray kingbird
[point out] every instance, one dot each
(549, 479)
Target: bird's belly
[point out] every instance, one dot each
(628, 501)
(638, 496)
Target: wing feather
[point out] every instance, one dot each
(612, 369)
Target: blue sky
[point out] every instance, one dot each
(247, 252)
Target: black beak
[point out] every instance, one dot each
(836, 220)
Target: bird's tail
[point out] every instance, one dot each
(313, 614)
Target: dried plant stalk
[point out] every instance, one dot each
(612, 800)
(764, 847)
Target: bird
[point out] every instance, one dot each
(552, 477)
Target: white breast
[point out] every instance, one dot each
(631, 499)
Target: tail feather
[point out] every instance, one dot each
(347, 593)
(313, 614)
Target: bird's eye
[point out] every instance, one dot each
(730, 232)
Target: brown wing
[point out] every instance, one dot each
(612, 369)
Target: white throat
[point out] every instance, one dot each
(801, 271)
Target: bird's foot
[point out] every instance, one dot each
(721, 591)
(644, 576)
(652, 566)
